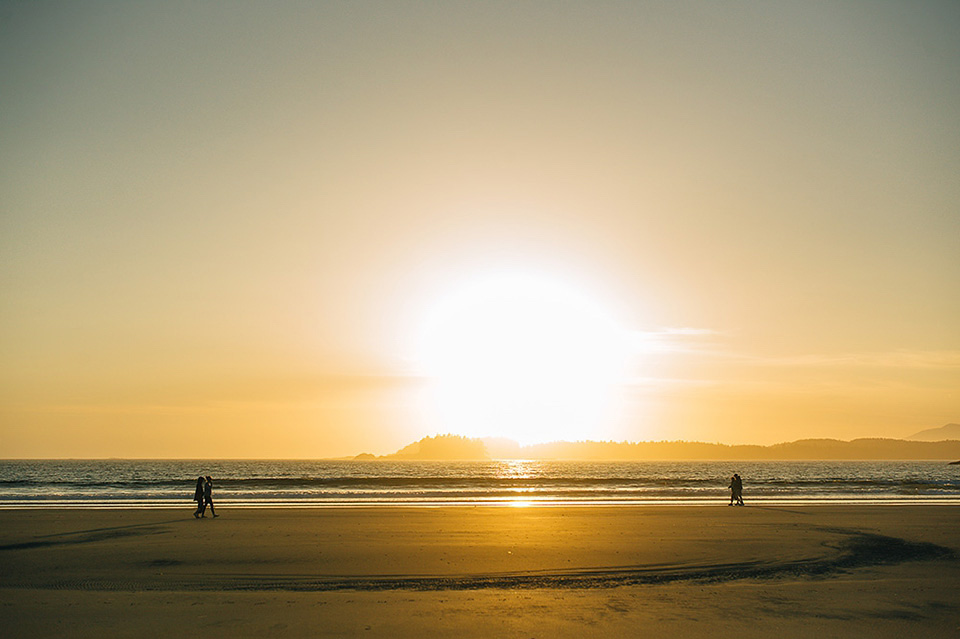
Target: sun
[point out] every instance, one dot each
(523, 357)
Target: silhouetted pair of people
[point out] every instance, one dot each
(736, 490)
(203, 495)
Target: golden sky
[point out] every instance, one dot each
(256, 229)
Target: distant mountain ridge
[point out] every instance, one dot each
(459, 448)
(947, 431)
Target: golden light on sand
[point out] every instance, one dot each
(522, 356)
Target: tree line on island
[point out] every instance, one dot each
(934, 444)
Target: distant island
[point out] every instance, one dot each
(947, 431)
(443, 447)
(459, 448)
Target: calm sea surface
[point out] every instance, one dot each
(140, 483)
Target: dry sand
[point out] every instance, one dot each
(646, 571)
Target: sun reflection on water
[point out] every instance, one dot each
(518, 469)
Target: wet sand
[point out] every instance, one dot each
(594, 571)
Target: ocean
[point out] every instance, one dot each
(271, 483)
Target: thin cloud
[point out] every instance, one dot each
(674, 339)
(882, 359)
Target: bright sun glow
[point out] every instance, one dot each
(522, 357)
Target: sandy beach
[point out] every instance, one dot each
(650, 571)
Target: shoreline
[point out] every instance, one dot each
(306, 504)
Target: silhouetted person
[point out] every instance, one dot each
(733, 490)
(208, 497)
(738, 489)
(198, 497)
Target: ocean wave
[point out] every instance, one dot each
(328, 481)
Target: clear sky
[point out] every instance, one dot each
(249, 229)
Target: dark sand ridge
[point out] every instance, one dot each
(893, 563)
